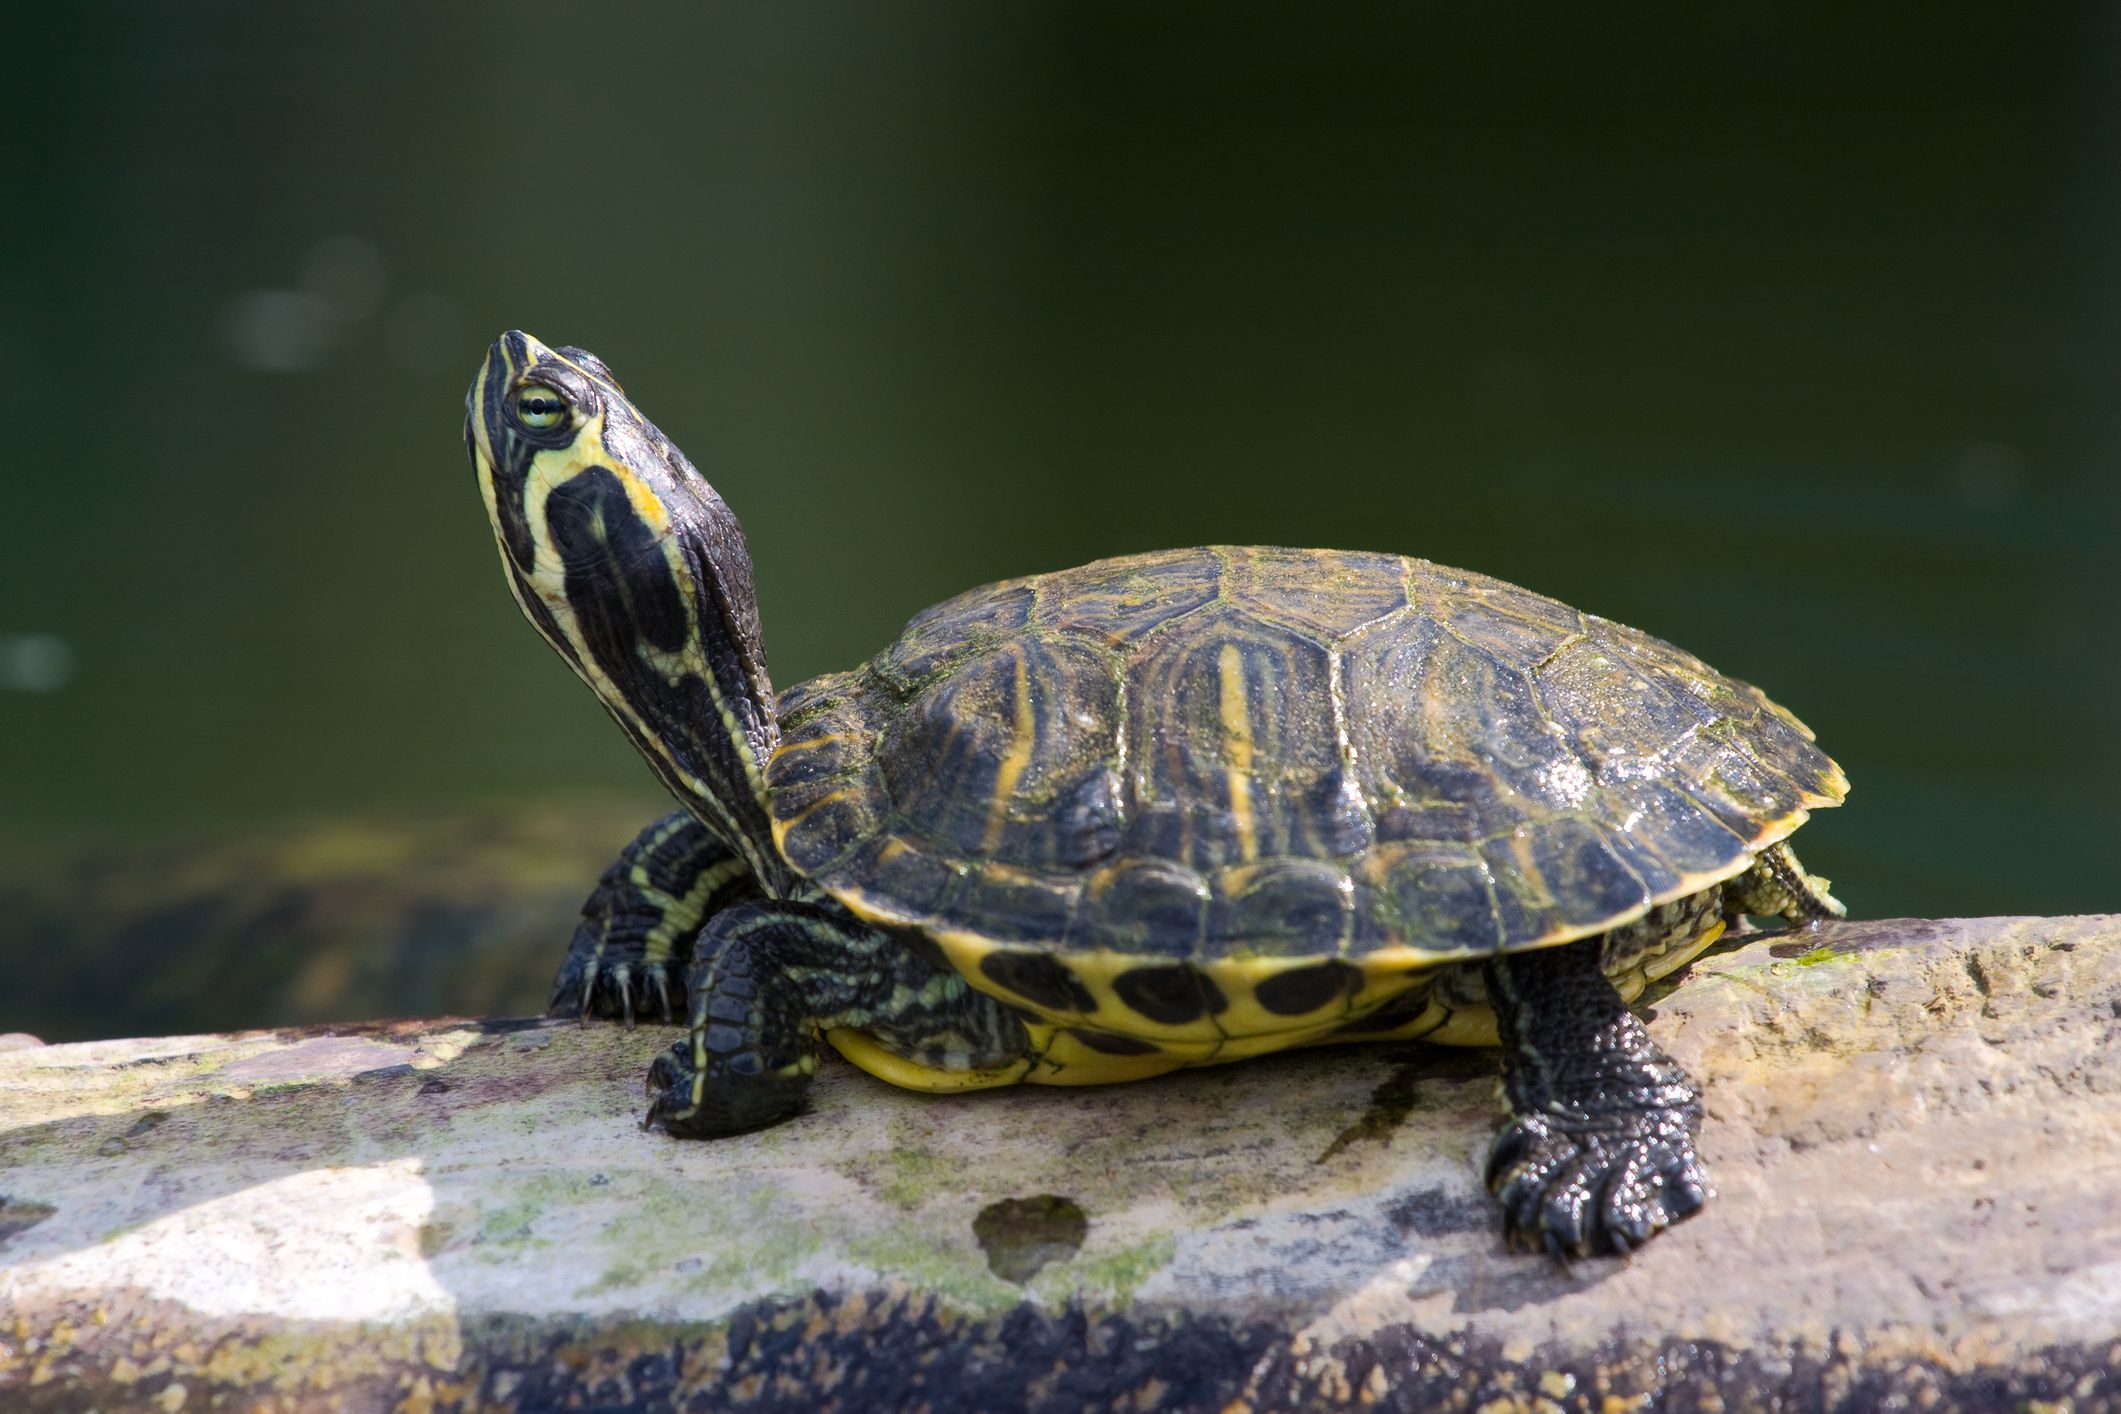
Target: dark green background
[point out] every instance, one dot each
(1793, 338)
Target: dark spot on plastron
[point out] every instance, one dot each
(1303, 990)
(1037, 978)
(1111, 1044)
(1021, 1235)
(1440, 1212)
(1172, 995)
(1390, 1103)
(19, 1215)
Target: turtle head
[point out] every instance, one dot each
(633, 569)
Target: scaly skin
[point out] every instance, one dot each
(634, 944)
(767, 977)
(1599, 1151)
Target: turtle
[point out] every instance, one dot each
(1159, 811)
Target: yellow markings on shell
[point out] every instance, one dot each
(1023, 738)
(1237, 749)
(1059, 1057)
(811, 743)
(782, 824)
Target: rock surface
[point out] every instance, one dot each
(1914, 1127)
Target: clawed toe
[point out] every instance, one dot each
(1596, 1192)
(619, 992)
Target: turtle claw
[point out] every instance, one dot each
(623, 992)
(1587, 1191)
(740, 1093)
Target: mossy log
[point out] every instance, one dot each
(1914, 1128)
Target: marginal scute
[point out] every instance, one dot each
(1576, 876)
(1662, 820)
(1144, 907)
(1012, 905)
(1430, 897)
(902, 883)
(1280, 908)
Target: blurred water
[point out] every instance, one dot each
(1793, 340)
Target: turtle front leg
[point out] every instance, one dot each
(768, 977)
(1599, 1153)
(634, 942)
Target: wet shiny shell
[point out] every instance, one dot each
(1209, 792)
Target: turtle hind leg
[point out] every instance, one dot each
(1599, 1153)
(635, 940)
(1778, 887)
(767, 977)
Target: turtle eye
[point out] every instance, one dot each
(540, 409)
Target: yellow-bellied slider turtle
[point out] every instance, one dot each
(1159, 811)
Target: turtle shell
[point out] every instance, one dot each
(1208, 793)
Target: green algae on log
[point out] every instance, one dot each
(1912, 1133)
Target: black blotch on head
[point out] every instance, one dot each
(618, 580)
(1171, 994)
(1107, 1043)
(1303, 990)
(1037, 978)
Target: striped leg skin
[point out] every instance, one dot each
(635, 940)
(769, 977)
(1777, 886)
(1598, 1154)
